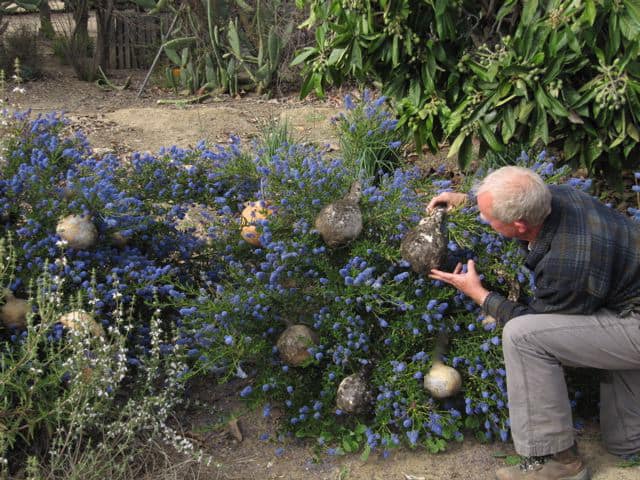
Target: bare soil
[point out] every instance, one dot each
(119, 121)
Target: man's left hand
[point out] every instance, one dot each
(467, 282)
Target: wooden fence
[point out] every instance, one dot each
(135, 38)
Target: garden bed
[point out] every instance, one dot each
(116, 121)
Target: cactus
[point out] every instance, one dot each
(238, 52)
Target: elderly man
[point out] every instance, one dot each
(585, 313)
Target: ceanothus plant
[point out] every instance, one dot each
(373, 316)
(230, 301)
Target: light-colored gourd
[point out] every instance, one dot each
(354, 394)
(340, 222)
(81, 320)
(14, 311)
(251, 214)
(425, 246)
(293, 344)
(442, 381)
(78, 231)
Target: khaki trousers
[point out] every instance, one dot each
(535, 349)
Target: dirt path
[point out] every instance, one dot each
(119, 121)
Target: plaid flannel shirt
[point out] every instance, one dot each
(586, 257)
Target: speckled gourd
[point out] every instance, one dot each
(354, 394)
(293, 344)
(425, 246)
(340, 222)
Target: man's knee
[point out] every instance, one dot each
(516, 330)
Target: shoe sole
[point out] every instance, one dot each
(584, 475)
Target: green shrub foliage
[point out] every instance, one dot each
(561, 72)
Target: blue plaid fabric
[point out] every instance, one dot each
(586, 257)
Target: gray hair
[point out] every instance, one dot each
(517, 193)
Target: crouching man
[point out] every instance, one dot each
(585, 312)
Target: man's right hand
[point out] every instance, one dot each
(448, 200)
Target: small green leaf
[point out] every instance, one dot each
(356, 57)
(632, 131)
(304, 55)
(365, 454)
(457, 143)
(173, 56)
(508, 124)
(512, 460)
(466, 153)
(571, 147)
(490, 138)
(589, 13)
(506, 9)
(529, 10)
(336, 56)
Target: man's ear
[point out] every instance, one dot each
(521, 226)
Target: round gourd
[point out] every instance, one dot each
(81, 320)
(251, 214)
(78, 231)
(340, 222)
(293, 344)
(354, 395)
(14, 311)
(442, 381)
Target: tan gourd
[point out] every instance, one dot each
(251, 214)
(81, 320)
(340, 222)
(293, 344)
(78, 231)
(14, 311)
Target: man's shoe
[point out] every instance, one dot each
(566, 465)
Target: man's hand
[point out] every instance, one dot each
(467, 282)
(450, 200)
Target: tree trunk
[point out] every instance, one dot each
(104, 12)
(80, 10)
(46, 27)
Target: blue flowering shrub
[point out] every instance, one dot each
(368, 135)
(125, 280)
(169, 254)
